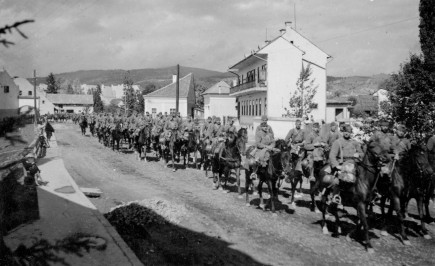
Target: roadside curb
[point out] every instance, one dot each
(118, 241)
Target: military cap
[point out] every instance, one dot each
(333, 124)
(218, 119)
(347, 128)
(401, 128)
(264, 118)
(316, 125)
(263, 124)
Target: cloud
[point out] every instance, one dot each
(213, 34)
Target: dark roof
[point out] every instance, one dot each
(70, 98)
(219, 88)
(169, 91)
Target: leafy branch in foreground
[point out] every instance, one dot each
(9, 30)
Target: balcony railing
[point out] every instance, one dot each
(247, 86)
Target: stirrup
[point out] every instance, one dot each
(253, 176)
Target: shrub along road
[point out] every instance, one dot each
(227, 231)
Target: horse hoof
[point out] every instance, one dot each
(262, 206)
(427, 236)
(240, 197)
(407, 242)
(384, 233)
(325, 230)
(248, 204)
(339, 230)
(371, 250)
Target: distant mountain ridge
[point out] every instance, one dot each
(336, 86)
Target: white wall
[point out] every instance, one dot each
(164, 105)
(219, 106)
(30, 102)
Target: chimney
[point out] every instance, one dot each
(288, 25)
(174, 78)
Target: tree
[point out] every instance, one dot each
(140, 102)
(301, 101)
(427, 32)
(52, 84)
(353, 100)
(149, 88)
(9, 29)
(412, 95)
(98, 103)
(129, 95)
(199, 99)
(70, 89)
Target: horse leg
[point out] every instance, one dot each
(260, 194)
(313, 189)
(420, 209)
(426, 206)
(395, 201)
(382, 207)
(173, 161)
(337, 219)
(363, 218)
(239, 189)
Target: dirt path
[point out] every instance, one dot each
(293, 237)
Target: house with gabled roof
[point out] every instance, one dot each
(164, 99)
(8, 95)
(218, 102)
(68, 103)
(266, 79)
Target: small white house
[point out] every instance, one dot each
(267, 78)
(8, 95)
(164, 99)
(68, 103)
(337, 110)
(218, 102)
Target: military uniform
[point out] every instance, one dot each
(295, 136)
(344, 150)
(263, 141)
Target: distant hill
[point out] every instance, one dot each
(336, 86)
(354, 85)
(158, 76)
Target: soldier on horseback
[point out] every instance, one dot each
(264, 142)
(294, 139)
(343, 154)
(313, 145)
(230, 127)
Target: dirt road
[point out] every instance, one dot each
(249, 234)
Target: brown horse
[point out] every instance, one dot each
(358, 194)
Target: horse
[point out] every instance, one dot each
(83, 125)
(156, 132)
(92, 126)
(115, 136)
(358, 194)
(141, 142)
(190, 143)
(270, 174)
(168, 142)
(231, 158)
(419, 184)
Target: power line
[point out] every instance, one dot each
(368, 29)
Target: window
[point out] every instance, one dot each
(259, 105)
(172, 111)
(21, 93)
(6, 89)
(256, 107)
(265, 105)
(250, 76)
(43, 101)
(30, 93)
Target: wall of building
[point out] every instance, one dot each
(219, 106)
(165, 104)
(284, 66)
(28, 102)
(9, 100)
(73, 108)
(252, 105)
(330, 113)
(45, 106)
(319, 77)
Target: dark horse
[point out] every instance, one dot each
(230, 157)
(168, 142)
(269, 174)
(142, 141)
(419, 184)
(92, 126)
(358, 194)
(83, 125)
(115, 136)
(190, 143)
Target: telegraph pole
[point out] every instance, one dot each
(177, 90)
(34, 96)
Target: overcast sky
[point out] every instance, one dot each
(364, 37)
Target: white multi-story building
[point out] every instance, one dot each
(8, 95)
(267, 78)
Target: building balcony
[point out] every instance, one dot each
(248, 87)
